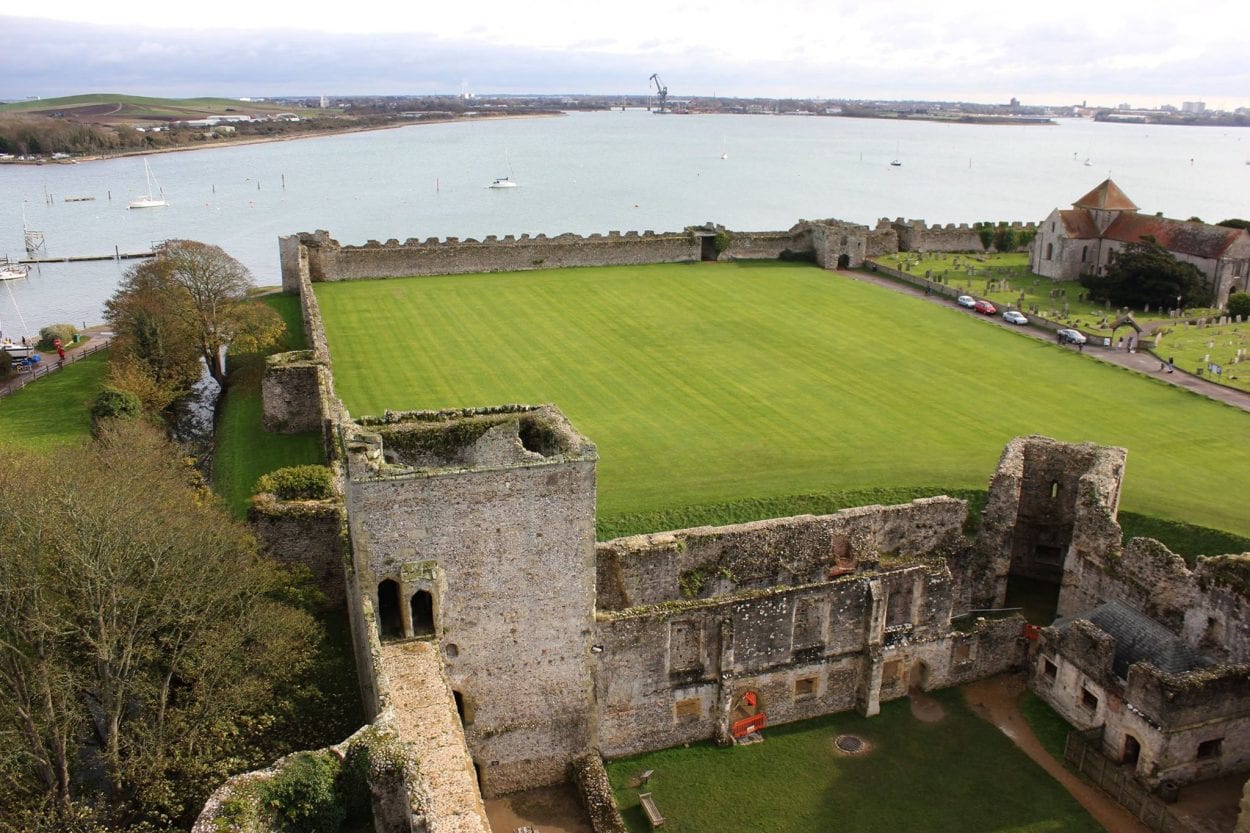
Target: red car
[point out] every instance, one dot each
(984, 307)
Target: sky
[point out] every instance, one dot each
(1063, 52)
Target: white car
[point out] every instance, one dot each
(1070, 336)
(966, 301)
(1014, 316)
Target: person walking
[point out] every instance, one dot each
(1170, 365)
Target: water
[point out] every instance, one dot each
(591, 172)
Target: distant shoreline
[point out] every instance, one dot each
(257, 140)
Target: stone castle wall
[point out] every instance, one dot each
(712, 561)
(308, 533)
(918, 236)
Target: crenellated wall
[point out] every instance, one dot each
(918, 236)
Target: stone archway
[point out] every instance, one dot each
(1127, 320)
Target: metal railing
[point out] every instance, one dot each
(23, 376)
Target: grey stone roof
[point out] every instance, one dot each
(1137, 638)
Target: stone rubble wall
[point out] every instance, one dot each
(918, 236)
(667, 566)
(307, 533)
(595, 791)
(290, 393)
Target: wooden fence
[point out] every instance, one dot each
(23, 377)
(1083, 750)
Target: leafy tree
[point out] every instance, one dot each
(144, 647)
(985, 232)
(1146, 273)
(1004, 238)
(1234, 223)
(1239, 304)
(187, 304)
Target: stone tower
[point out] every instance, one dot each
(476, 530)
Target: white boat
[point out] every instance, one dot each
(17, 351)
(10, 271)
(149, 201)
(896, 164)
(502, 182)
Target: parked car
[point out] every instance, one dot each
(984, 307)
(1070, 336)
(966, 301)
(1014, 316)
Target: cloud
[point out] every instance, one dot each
(806, 49)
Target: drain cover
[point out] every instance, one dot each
(848, 743)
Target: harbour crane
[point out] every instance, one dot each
(661, 91)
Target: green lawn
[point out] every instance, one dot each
(55, 410)
(710, 383)
(1195, 347)
(244, 449)
(1006, 280)
(960, 773)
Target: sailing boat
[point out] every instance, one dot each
(504, 181)
(724, 152)
(896, 163)
(149, 201)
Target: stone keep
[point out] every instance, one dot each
(479, 527)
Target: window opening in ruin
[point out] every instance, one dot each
(805, 688)
(963, 652)
(1088, 699)
(1084, 253)
(898, 607)
(1210, 748)
(422, 613)
(1049, 668)
(1054, 489)
(539, 437)
(1050, 249)
(1048, 555)
(1132, 750)
(1036, 598)
(390, 621)
(891, 672)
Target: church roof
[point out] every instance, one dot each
(1106, 197)
(1197, 239)
(1137, 638)
(1078, 223)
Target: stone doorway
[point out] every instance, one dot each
(390, 618)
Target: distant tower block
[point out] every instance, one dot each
(477, 528)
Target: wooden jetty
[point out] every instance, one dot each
(78, 258)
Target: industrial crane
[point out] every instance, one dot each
(661, 91)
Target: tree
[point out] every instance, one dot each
(1004, 238)
(1234, 223)
(1146, 273)
(1239, 304)
(192, 299)
(142, 642)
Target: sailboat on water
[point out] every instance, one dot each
(151, 200)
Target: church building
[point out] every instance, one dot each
(1081, 240)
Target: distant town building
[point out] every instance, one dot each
(1193, 107)
(1080, 241)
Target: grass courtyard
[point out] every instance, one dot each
(708, 383)
(960, 773)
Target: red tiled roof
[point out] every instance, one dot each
(1107, 197)
(1078, 224)
(1197, 239)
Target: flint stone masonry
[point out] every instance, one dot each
(1047, 500)
(918, 236)
(713, 561)
(290, 393)
(502, 538)
(307, 533)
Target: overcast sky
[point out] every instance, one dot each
(1061, 52)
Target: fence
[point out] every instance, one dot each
(22, 378)
(1083, 750)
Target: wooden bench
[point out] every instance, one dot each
(653, 812)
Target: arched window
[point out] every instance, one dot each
(1050, 250)
(422, 613)
(390, 622)
(1084, 253)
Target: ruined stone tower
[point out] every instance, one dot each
(475, 529)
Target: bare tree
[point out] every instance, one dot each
(139, 631)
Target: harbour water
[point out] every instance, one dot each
(586, 173)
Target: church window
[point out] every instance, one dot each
(1084, 253)
(1050, 250)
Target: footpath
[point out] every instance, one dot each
(96, 339)
(1145, 363)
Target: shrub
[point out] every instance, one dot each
(302, 796)
(111, 403)
(48, 335)
(298, 483)
(721, 242)
(1239, 304)
(6, 364)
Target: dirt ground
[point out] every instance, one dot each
(1212, 806)
(547, 810)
